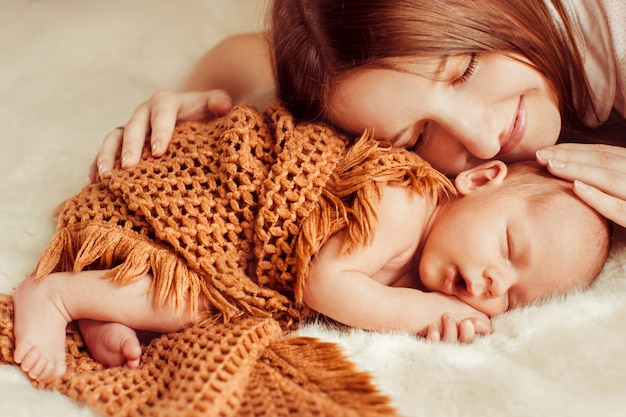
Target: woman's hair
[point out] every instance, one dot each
(317, 43)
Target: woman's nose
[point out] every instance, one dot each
(471, 125)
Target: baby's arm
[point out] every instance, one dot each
(354, 288)
(355, 299)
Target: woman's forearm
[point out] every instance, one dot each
(240, 64)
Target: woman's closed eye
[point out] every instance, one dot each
(469, 70)
(421, 137)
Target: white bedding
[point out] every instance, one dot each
(72, 70)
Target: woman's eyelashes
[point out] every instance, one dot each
(421, 137)
(469, 70)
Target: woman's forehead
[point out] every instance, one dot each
(433, 67)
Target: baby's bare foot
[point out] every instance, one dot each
(111, 344)
(40, 322)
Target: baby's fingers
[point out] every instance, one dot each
(450, 331)
(466, 330)
(433, 333)
(481, 326)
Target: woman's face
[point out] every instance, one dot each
(464, 110)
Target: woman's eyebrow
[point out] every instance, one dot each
(441, 68)
(428, 68)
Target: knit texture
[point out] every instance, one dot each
(231, 215)
(245, 368)
(235, 212)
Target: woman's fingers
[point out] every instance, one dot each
(167, 108)
(219, 102)
(602, 166)
(612, 208)
(583, 153)
(156, 119)
(106, 156)
(135, 134)
(163, 117)
(598, 172)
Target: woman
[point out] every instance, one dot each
(458, 81)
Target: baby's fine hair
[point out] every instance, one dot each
(535, 185)
(317, 43)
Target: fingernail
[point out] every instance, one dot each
(556, 163)
(545, 154)
(581, 186)
(124, 159)
(156, 144)
(101, 168)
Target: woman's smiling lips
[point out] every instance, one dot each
(516, 132)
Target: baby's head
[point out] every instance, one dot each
(515, 235)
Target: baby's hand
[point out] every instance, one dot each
(455, 321)
(463, 331)
(157, 118)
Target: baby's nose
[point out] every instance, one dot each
(476, 286)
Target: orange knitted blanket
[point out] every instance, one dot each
(233, 212)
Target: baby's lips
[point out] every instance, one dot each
(450, 280)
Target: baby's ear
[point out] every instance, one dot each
(488, 173)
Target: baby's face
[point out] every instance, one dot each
(496, 252)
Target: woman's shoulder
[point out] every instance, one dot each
(598, 31)
(615, 12)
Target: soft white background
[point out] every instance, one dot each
(71, 70)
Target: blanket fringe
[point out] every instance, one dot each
(325, 368)
(349, 199)
(129, 257)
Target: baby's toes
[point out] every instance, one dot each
(132, 352)
(40, 367)
(46, 369)
(26, 356)
(54, 369)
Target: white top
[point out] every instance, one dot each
(616, 12)
(600, 30)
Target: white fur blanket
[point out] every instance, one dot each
(72, 70)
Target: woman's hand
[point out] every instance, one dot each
(597, 171)
(156, 119)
